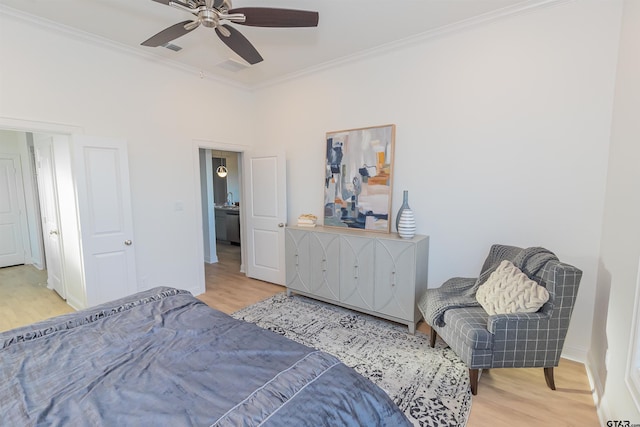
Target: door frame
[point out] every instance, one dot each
(20, 125)
(220, 146)
(34, 126)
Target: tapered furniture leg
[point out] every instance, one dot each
(548, 376)
(473, 377)
(433, 337)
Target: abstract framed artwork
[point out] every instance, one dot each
(358, 178)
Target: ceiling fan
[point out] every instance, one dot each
(214, 14)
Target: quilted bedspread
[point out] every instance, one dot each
(162, 357)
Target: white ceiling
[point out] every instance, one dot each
(347, 28)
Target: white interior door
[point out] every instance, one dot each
(265, 215)
(106, 223)
(11, 246)
(49, 213)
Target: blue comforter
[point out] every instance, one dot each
(164, 358)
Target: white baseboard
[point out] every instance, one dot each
(211, 259)
(195, 291)
(31, 261)
(581, 355)
(76, 305)
(577, 354)
(598, 392)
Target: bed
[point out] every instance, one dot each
(162, 357)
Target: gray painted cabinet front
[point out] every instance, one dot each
(378, 274)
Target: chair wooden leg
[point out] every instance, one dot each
(473, 377)
(548, 376)
(432, 338)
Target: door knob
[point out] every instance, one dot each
(128, 242)
(281, 225)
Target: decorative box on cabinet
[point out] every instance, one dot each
(375, 273)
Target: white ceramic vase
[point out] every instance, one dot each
(407, 224)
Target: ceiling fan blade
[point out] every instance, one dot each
(215, 3)
(180, 2)
(273, 17)
(168, 34)
(240, 45)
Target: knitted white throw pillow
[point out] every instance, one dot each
(509, 290)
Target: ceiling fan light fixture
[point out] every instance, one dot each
(222, 171)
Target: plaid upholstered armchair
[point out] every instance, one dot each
(511, 340)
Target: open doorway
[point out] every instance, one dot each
(35, 232)
(226, 198)
(82, 166)
(221, 202)
(262, 210)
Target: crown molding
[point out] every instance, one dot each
(483, 19)
(486, 18)
(26, 125)
(83, 36)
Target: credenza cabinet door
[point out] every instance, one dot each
(379, 274)
(297, 260)
(357, 271)
(324, 261)
(395, 278)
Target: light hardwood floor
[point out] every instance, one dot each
(506, 397)
(24, 297)
(227, 289)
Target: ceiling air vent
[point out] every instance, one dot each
(172, 47)
(232, 65)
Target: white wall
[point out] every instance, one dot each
(620, 249)
(53, 77)
(502, 136)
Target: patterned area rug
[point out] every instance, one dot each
(430, 385)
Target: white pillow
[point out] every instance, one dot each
(509, 290)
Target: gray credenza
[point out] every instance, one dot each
(376, 273)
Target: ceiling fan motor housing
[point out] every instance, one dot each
(208, 18)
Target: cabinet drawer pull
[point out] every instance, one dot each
(355, 271)
(324, 264)
(296, 260)
(393, 278)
